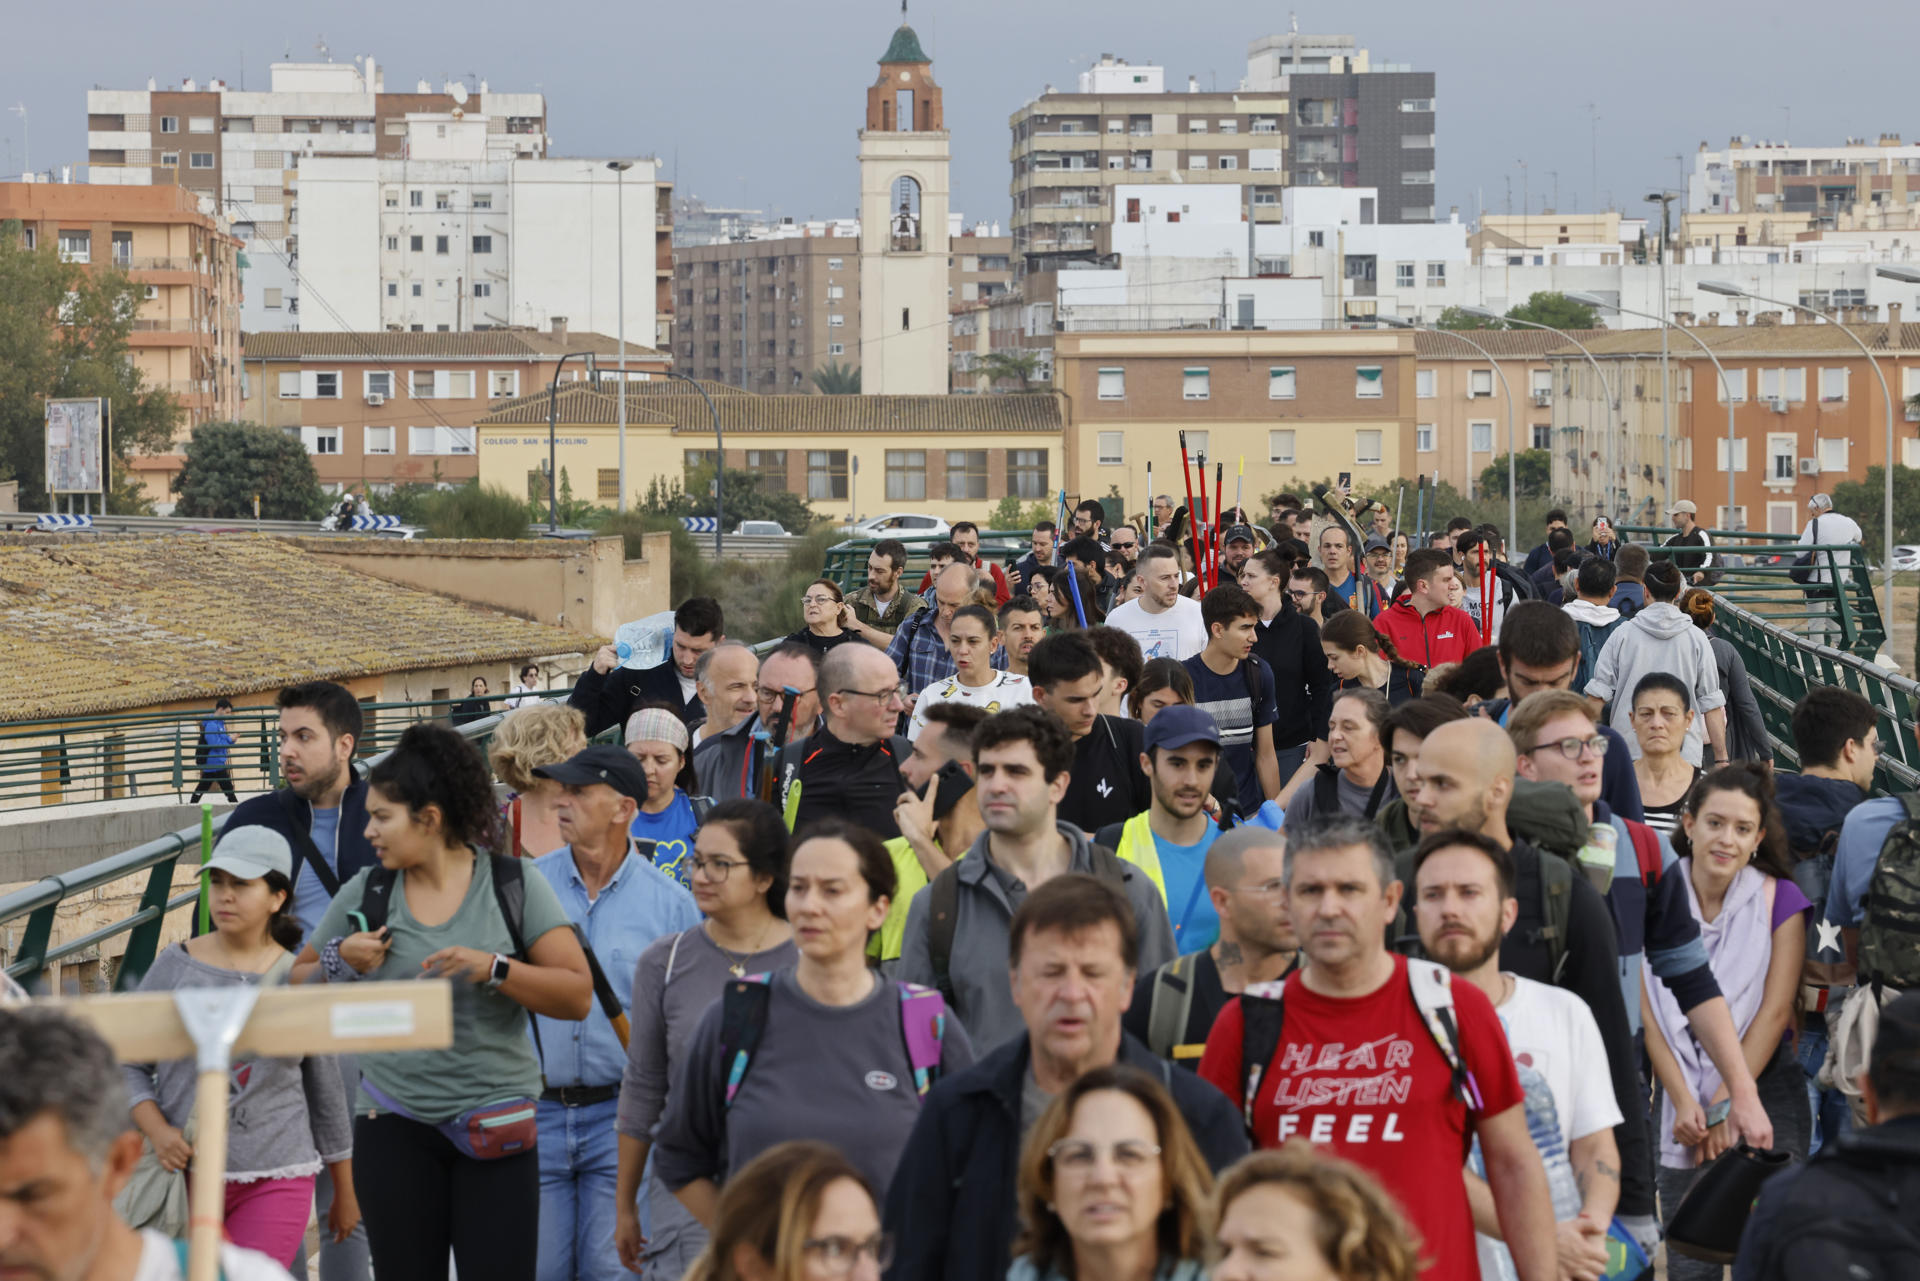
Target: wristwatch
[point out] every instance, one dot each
(498, 974)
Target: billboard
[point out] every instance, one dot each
(76, 446)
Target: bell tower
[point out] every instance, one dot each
(903, 226)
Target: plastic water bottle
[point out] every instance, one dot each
(1596, 856)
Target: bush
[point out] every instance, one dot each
(228, 465)
(691, 573)
(473, 512)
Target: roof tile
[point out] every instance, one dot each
(390, 344)
(652, 402)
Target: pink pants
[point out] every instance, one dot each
(270, 1215)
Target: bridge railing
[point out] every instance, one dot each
(846, 562)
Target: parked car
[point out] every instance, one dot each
(898, 525)
(761, 529)
(1906, 557)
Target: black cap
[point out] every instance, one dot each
(1378, 544)
(1237, 534)
(600, 763)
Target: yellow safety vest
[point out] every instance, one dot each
(1138, 847)
(909, 879)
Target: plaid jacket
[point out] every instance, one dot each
(921, 656)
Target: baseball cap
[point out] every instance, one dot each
(1684, 505)
(251, 852)
(1179, 725)
(1237, 534)
(1378, 544)
(1821, 502)
(600, 763)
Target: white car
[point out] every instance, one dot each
(1906, 557)
(898, 525)
(761, 529)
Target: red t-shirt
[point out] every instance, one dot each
(1363, 1078)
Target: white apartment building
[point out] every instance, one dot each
(247, 149)
(1860, 182)
(451, 236)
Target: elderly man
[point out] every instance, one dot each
(919, 649)
(1072, 948)
(850, 767)
(725, 676)
(66, 1151)
(623, 903)
(727, 765)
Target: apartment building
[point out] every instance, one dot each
(850, 456)
(1460, 399)
(764, 314)
(176, 247)
(1860, 182)
(244, 148)
(1292, 407)
(385, 407)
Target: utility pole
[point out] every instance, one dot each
(26, 138)
(1593, 190)
(620, 168)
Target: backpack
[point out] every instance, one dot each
(1890, 919)
(1326, 792)
(1556, 903)
(743, 1021)
(1262, 1014)
(1593, 638)
(943, 911)
(1170, 1006)
(1852, 1214)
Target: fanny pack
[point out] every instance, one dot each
(485, 1133)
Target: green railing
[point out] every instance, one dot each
(846, 562)
(1754, 571)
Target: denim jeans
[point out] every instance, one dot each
(1831, 1115)
(579, 1171)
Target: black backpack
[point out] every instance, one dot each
(1853, 1214)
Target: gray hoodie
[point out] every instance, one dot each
(1659, 638)
(978, 969)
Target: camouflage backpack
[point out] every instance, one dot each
(1890, 921)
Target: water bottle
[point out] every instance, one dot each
(1596, 856)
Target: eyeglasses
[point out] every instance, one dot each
(1300, 595)
(1077, 1156)
(715, 869)
(1266, 889)
(838, 1255)
(883, 696)
(818, 600)
(1571, 748)
(1123, 547)
(766, 695)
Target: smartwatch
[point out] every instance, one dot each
(498, 975)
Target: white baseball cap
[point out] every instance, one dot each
(251, 852)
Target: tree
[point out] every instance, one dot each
(1533, 474)
(836, 379)
(1454, 318)
(1552, 308)
(744, 498)
(1011, 513)
(64, 333)
(229, 464)
(1017, 365)
(1862, 500)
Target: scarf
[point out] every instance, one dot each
(1739, 950)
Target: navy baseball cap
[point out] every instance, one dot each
(600, 763)
(1237, 534)
(1180, 725)
(1378, 544)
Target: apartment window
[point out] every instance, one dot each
(1436, 274)
(1780, 459)
(416, 199)
(1417, 141)
(1196, 126)
(391, 198)
(416, 289)
(321, 440)
(833, 264)
(440, 244)
(169, 160)
(1541, 383)
(1416, 104)
(200, 160)
(393, 244)
(1317, 239)
(1403, 275)
(1282, 383)
(1833, 385)
(443, 199)
(271, 299)
(1113, 384)
(169, 124)
(1280, 448)
(1733, 388)
(76, 246)
(1480, 438)
(290, 385)
(503, 383)
(1417, 178)
(420, 384)
(1739, 463)
(1366, 448)
(422, 440)
(770, 465)
(326, 385)
(1479, 383)
(966, 474)
(1730, 517)
(906, 475)
(482, 289)
(416, 243)
(1027, 473)
(1423, 438)
(483, 200)
(1783, 384)
(1229, 162)
(1111, 448)
(1366, 383)
(1833, 453)
(835, 320)
(458, 385)
(836, 349)
(826, 474)
(378, 382)
(1194, 162)
(1542, 436)
(377, 440)
(836, 292)
(607, 484)
(1196, 384)
(1425, 383)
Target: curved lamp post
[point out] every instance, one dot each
(1513, 505)
(553, 469)
(719, 460)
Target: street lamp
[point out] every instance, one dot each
(1513, 502)
(553, 469)
(1726, 387)
(1609, 389)
(1665, 200)
(1726, 290)
(719, 461)
(620, 168)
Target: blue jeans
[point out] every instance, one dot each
(579, 1170)
(1831, 1115)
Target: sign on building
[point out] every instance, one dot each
(76, 447)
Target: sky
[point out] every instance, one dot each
(757, 102)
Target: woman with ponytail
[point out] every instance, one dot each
(1362, 658)
(286, 1116)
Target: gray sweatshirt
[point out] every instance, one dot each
(285, 1117)
(1658, 638)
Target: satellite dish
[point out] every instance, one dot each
(458, 93)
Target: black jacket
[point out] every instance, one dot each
(1107, 782)
(843, 780)
(951, 1208)
(287, 814)
(1850, 1205)
(608, 699)
(1302, 681)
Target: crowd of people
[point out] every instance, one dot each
(1365, 905)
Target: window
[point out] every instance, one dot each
(169, 160)
(607, 483)
(326, 385)
(1733, 388)
(1027, 473)
(200, 160)
(833, 264)
(1229, 162)
(272, 299)
(826, 474)
(1783, 384)
(169, 124)
(290, 385)
(393, 244)
(1480, 438)
(1366, 383)
(1196, 384)
(1366, 448)
(420, 440)
(1282, 384)
(199, 124)
(440, 244)
(1280, 448)
(770, 465)
(1833, 385)
(1417, 178)
(458, 384)
(1730, 517)
(416, 244)
(321, 440)
(966, 474)
(483, 200)
(482, 289)
(1112, 448)
(1436, 274)
(1780, 460)
(1541, 383)
(416, 289)
(1833, 453)
(1479, 383)
(1229, 126)
(836, 349)
(483, 244)
(1542, 436)
(1423, 438)
(1113, 384)
(1403, 275)
(1417, 141)
(502, 383)
(1196, 126)
(443, 199)
(1425, 382)
(377, 440)
(836, 292)
(1739, 455)
(378, 382)
(835, 320)
(76, 246)
(1317, 239)
(906, 475)
(1416, 104)
(420, 384)
(416, 199)
(392, 198)
(1195, 162)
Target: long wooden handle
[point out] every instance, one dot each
(208, 1178)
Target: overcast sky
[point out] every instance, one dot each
(757, 101)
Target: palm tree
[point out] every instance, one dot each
(1016, 365)
(836, 379)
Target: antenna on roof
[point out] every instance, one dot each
(903, 12)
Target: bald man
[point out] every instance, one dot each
(919, 648)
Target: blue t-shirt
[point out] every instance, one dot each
(1854, 860)
(1196, 925)
(1359, 593)
(1225, 698)
(672, 832)
(310, 897)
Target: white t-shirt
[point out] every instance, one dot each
(159, 1262)
(1833, 528)
(997, 695)
(687, 686)
(1178, 633)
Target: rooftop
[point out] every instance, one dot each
(905, 48)
(390, 344)
(116, 623)
(1521, 344)
(653, 402)
(1729, 341)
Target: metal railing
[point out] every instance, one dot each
(846, 562)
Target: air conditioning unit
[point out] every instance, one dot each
(1809, 466)
(375, 398)
(1778, 404)
(1543, 398)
